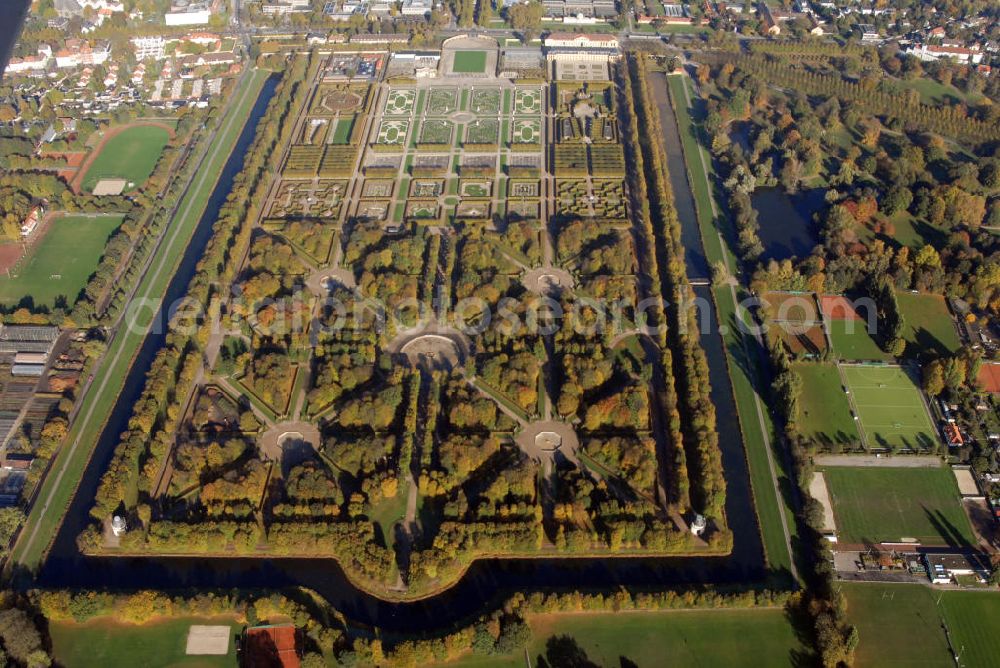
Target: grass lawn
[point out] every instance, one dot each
(342, 133)
(390, 511)
(851, 341)
(898, 625)
(877, 504)
(96, 404)
(100, 643)
(824, 412)
(129, 155)
(934, 92)
(647, 639)
(974, 622)
(891, 410)
(915, 232)
(928, 325)
(61, 263)
(467, 62)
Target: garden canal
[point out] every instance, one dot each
(486, 580)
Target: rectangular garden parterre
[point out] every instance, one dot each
(361, 402)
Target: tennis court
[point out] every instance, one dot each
(890, 407)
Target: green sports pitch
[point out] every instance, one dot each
(890, 408)
(59, 266)
(469, 62)
(903, 625)
(824, 412)
(130, 155)
(884, 504)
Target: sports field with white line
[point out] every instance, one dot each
(891, 410)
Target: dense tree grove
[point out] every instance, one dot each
(701, 439)
(766, 131)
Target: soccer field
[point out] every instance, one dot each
(900, 625)
(882, 504)
(890, 407)
(824, 412)
(130, 155)
(59, 266)
(470, 62)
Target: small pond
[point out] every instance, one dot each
(786, 221)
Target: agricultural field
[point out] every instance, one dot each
(890, 408)
(130, 155)
(824, 412)
(59, 265)
(884, 504)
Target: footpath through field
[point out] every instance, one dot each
(99, 396)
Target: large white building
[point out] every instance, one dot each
(570, 40)
(36, 63)
(149, 47)
(283, 7)
(185, 13)
(577, 10)
(68, 8)
(76, 52)
(417, 7)
(928, 52)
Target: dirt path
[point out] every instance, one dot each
(885, 461)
